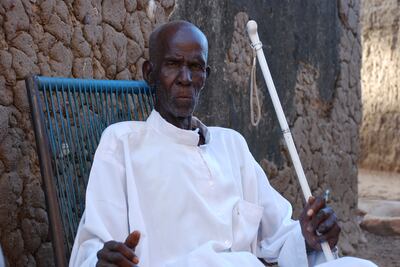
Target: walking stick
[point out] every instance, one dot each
(257, 45)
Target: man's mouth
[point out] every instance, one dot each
(184, 97)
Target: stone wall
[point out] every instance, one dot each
(380, 75)
(72, 38)
(313, 49)
(314, 54)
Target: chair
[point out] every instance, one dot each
(69, 116)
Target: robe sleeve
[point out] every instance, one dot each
(105, 217)
(279, 237)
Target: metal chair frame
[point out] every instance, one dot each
(68, 114)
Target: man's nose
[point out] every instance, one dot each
(185, 76)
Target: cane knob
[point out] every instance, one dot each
(251, 27)
(252, 32)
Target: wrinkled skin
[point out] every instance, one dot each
(178, 72)
(119, 254)
(317, 217)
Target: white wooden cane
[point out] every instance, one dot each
(257, 45)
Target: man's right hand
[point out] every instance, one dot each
(119, 254)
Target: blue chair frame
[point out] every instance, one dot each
(68, 117)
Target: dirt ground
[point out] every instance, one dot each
(383, 250)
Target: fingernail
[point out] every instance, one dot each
(135, 260)
(310, 212)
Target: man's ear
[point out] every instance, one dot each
(208, 71)
(147, 69)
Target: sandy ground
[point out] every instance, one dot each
(373, 185)
(378, 185)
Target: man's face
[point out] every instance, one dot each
(180, 73)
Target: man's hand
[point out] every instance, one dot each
(319, 223)
(119, 254)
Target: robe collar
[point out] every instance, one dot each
(178, 135)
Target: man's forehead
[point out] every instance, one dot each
(183, 34)
(185, 37)
(175, 27)
(175, 35)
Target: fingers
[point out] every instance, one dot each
(126, 251)
(317, 217)
(113, 258)
(303, 215)
(133, 239)
(315, 204)
(117, 253)
(313, 207)
(327, 220)
(323, 220)
(332, 236)
(105, 264)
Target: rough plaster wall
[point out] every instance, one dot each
(326, 132)
(81, 38)
(380, 131)
(314, 53)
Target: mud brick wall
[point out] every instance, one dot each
(380, 76)
(81, 38)
(314, 53)
(313, 49)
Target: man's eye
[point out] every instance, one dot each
(197, 67)
(172, 63)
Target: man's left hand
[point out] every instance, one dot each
(319, 223)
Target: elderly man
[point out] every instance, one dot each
(172, 192)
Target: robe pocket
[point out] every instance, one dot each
(246, 221)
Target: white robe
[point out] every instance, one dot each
(208, 205)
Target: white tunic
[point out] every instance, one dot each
(208, 205)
